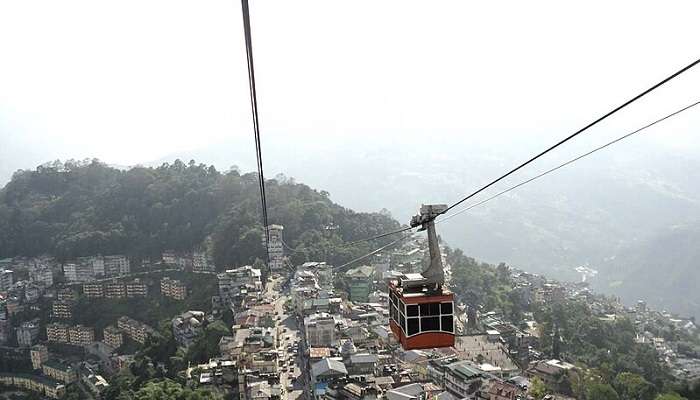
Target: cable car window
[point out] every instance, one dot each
(402, 321)
(434, 308)
(413, 327)
(430, 324)
(447, 324)
(412, 310)
(446, 308)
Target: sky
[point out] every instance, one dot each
(134, 81)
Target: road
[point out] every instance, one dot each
(288, 337)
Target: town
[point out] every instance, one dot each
(310, 331)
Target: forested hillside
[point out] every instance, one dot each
(81, 208)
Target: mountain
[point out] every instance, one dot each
(82, 208)
(663, 270)
(595, 210)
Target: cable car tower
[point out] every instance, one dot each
(421, 310)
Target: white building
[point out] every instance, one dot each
(276, 247)
(320, 330)
(200, 262)
(116, 265)
(42, 277)
(97, 263)
(6, 279)
(78, 272)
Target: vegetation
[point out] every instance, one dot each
(83, 208)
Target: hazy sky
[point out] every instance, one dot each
(133, 81)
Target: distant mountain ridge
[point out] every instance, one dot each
(590, 212)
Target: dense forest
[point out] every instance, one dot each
(80, 208)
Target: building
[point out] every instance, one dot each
(78, 272)
(112, 336)
(42, 277)
(40, 384)
(550, 371)
(38, 354)
(115, 290)
(320, 330)
(239, 284)
(65, 294)
(463, 379)
(94, 382)
(499, 390)
(32, 292)
(187, 327)
(173, 288)
(96, 263)
(136, 288)
(359, 281)
(324, 372)
(62, 309)
(6, 279)
(28, 333)
(134, 329)
(93, 290)
(275, 247)
(80, 335)
(117, 265)
(57, 333)
(59, 371)
(200, 263)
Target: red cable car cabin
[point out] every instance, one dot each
(421, 318)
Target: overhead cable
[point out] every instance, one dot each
(573, 160)
(573, 135)
(256, 124)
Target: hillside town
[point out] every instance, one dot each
(308, 331)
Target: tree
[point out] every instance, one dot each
(537, 388)
(670, 396)
(601, 391)
(631, 386)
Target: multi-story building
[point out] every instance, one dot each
(62, 309)
(169, 257)
(187, 327)
(200, 263)
(359, 281)
(320, 330)
(38, 354)
(57, 333)
(116, 265)
(42, 276)
(93, 290)
(40, 384)
(5, 326)
(112, 336)
(6, 279)
(59, 371)
(80, 335)
(173, 288)
(96, 263)
(28, 333)
(460, 377)
(115, 290)
(78, 272)
(32, 292)
(235, 285)
(134, 329)
(136, 288)
(65, 294)
(275, 247)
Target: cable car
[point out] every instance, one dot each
(421, 310)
